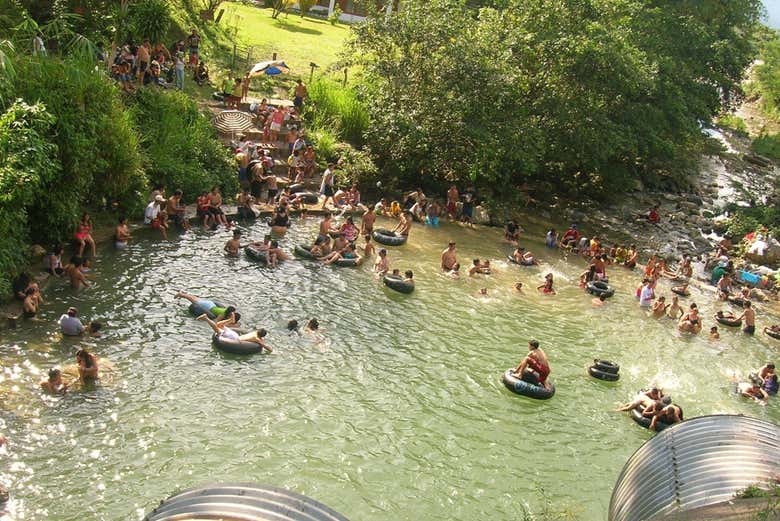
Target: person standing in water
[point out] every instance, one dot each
(448, 258)
(749, 315)
(54, 385)
(547, 287)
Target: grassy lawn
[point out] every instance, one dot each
(297, 41)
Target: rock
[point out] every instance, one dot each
(4, 495)
(693, 198)
(37, 251)
(480, 216)
(670, 197)
(758, 160)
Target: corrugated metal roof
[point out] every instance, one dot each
(695, 463)
(244, 502)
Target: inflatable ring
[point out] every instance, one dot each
(197, 311)
(773, 334)
(518, 386)
(521, 263)
(236, 347)
(304, 252)
(309, 197)
(595, 372)
(599, 288)
(737, 301)
(680, 292)
(644, 421)
(388, 238)
(396, 282)
(255, 254)
(728, 322)
(606, 366)
(349, 263)
(297, 187)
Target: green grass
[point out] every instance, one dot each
(298, 41)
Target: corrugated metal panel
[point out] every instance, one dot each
(242, 502)
(698, 462)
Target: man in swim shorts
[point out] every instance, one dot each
(202, 305)
(448, 258)
(749, 314)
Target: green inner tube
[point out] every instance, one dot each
(396, 282)
(595, 372)
(259, 255)
(773, 334)
(599, 288)
(236, 347)
(516, 385)
(728, 322)
(304, 252)
(388, 238)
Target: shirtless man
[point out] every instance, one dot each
(176, 210)
(749, 315)
(448, 259)
(300, 94)
(644, 398)
(405, 225)
(382, 264)
(659, 307)
(452, 203)
(367, 222)
(753, 391)
(325, 225)
(691, 321)
(368, 248)
(632, 255)
(535, 367)
(77, 277)
(234, 245)
(669, 414)
(54, 385)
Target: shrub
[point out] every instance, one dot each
(26, 165)
(180, 145)
(337, 108)
(305, 6)
(335, 15)
(733, 123)
(767, 145)
(355, 166)
(151, 19)
(97, 142)
(324, 141)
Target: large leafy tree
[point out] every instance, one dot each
(561, 95)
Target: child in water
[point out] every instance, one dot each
(714, 335)
(547, 287)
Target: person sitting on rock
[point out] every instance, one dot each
(653, 217)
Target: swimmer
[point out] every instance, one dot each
(367, 222)
(88, 366)
(292, 327)
(226, 333)
(535, 367)
(753, 391)
(122, 234)
(276, 255)
(690, 322)
(30, 304)
(749, 315)
(382, 264)
(347, 253)
(668, 414)
(714, 334)
(405, 225)
(77, 278)
(518, 287)
(482, 292)
(312, 326)
(454, 272)
(674, 311)
(203, 305)
(54, 385)
(448, 258)
(233, 246)
(524, 257)
(659, 307)
(547, 287)
(368, 248)
(599, 301)
(70, 324)
(644, 398)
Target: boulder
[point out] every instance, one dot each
(37, 251)
(480, 216)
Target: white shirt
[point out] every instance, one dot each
(71, 326)
(151, 212)
(229, 334)
(646, 296)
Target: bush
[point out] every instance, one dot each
(337, 108)
(151, 19)
(355, 166)
(97, 143)
(733, 123)
(324, 141)
(335, 15)
(179, 144)
(767, 145)
(27, 163)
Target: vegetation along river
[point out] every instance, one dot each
(399, 415)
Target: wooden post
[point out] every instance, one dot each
(273, 57)
(345, 77)
(233, 61)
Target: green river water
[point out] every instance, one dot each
(399, 415)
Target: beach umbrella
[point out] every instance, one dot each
(233, 121)
(269, 68)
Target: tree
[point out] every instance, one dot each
(211, 6)
(280, 6)
(305, 6)
(151, 19)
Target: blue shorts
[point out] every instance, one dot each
(204, 306)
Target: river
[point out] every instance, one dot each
(399, 415)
